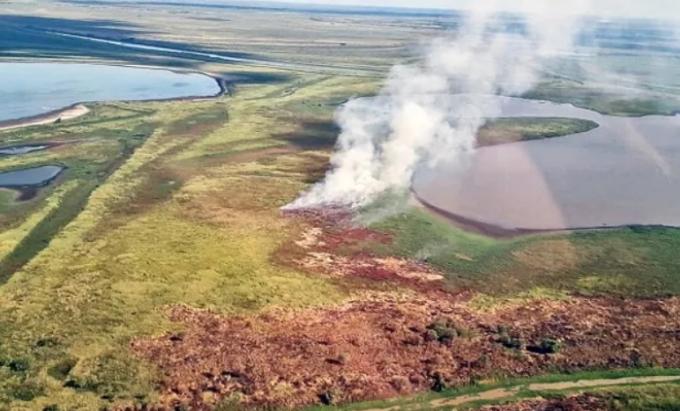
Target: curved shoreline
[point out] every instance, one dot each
(499, 232)
(66, 113)
(618, 175)
(80, 109)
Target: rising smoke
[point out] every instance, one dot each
(431, 111)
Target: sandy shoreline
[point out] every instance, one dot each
(68, 113)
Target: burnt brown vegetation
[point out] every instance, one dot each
(380, 344)
(583, 402)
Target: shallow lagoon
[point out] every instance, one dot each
(30, 89)
(625, 172)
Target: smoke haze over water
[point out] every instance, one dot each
(414, 122)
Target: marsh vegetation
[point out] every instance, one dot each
(513, 130)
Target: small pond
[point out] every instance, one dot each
(30, 177)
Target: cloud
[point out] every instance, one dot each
(655, 9)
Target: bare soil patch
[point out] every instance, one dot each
(329, 245)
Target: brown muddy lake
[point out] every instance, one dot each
(625, 172)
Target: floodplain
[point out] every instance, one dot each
(157, 271)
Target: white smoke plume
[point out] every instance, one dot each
(431, 111)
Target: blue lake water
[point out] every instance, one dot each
(29, 89)
(35, 176)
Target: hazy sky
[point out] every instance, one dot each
(627, 8)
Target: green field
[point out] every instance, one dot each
(615, 103)
(511, 130)
(596, 262)
(91, 149)
(190, 218)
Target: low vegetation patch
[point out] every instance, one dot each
(605, 262)
(512, 130)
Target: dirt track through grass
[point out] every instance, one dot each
(507, 393)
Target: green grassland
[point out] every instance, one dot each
(362, 44)
(90, 149)
(611, 102)
(596, 262)
(190, 218)
(511, 130)
(662, 397)
(614, 82)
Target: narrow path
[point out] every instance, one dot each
(507, 393)
(558, 386)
